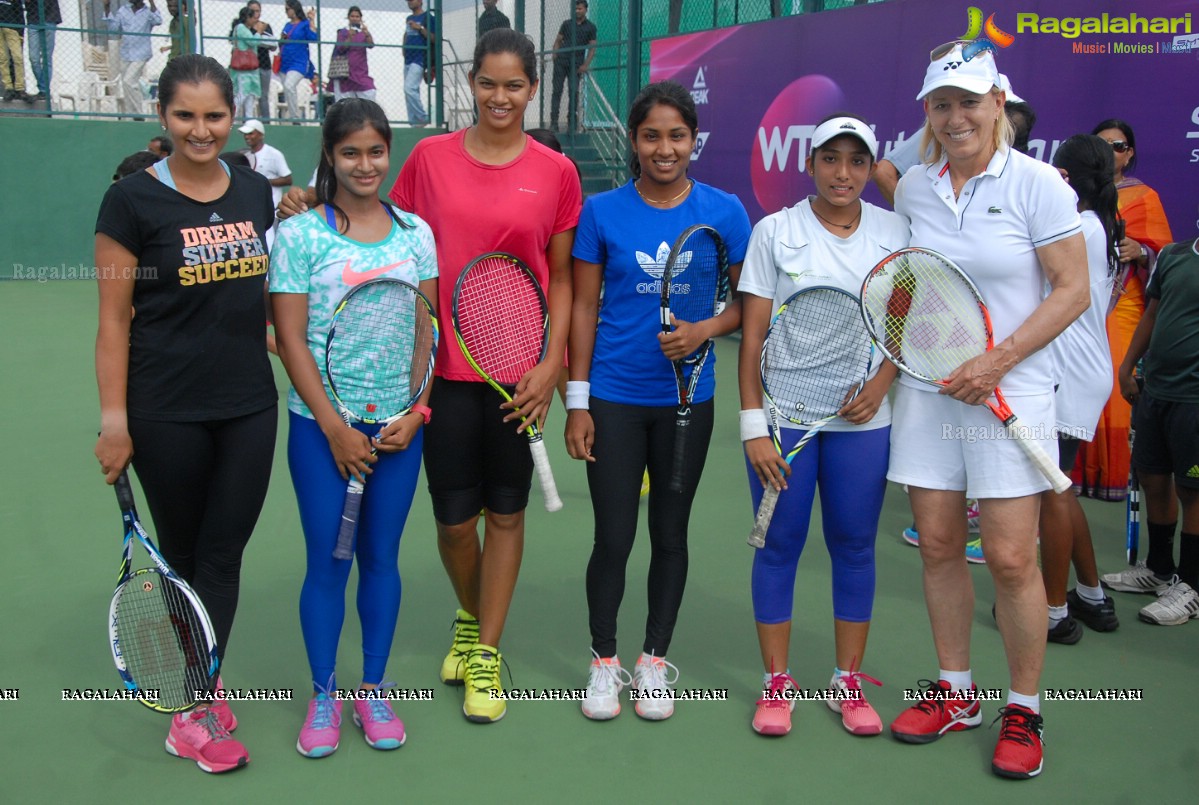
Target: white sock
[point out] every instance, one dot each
(1057, 615)
(1092, 595)
(838, 673)
(1031, 702)
(766, 676)
(958, 680)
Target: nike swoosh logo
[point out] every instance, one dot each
(352, 277)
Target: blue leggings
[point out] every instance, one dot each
(320, 491)
(851, 468)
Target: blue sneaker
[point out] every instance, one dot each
(974, 552)
(911, 537)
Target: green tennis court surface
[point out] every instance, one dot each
(62, 535)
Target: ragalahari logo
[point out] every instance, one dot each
(992, 36)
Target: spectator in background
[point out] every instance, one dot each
(573, 49)
(135, 162)
(418, 51)
(43, 18)
(269, 161)
(265, 68)
(160, 146)
(183, 35)
(492, 18)
(352, 42)
(1102, 468)
(138, 20)
(247, 84)
(12, 15)
(294, 63)
(232, 158)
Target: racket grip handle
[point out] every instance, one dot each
(541, 461)
(678, 465)
(757, 537)
(124, 491)
(349, 521)
(1043, 463)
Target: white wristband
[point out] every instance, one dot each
(754, 424)
(578, 395)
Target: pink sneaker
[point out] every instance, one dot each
(772, 714)
(382, 728)
(224, 712)
(199, 736)
(857, 715)
(321, 733)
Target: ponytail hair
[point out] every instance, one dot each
(1090, 168)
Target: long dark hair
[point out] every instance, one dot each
(297, 8)
(1129, 137)
(1090, 167)
(666, 93)
(345, 117)
(192, 68)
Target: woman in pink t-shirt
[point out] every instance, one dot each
(489, 188)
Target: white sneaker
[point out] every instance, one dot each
(1174, 607)
(1136, 579)
(606, 681)
(652, 683)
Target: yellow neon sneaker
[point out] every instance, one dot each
(484, 702)
(466, 634)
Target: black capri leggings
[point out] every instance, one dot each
(628, 440)
(205, 483)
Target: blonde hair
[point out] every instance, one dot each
(1002, 136)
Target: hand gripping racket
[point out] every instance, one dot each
(159, 632)
(815, 360)
(378, 359)
(928, 317)
(695, 284)
(502, 325)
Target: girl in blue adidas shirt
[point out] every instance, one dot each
(622, 395)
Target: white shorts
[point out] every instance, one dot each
(940, 443)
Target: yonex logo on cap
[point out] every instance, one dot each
(849, 126)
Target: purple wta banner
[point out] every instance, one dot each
(761, 88)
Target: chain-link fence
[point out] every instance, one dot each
(91, 58)
(102, 59)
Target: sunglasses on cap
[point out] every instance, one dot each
(1119, 146)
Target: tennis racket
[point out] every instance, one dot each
(1132, 506)
(159, 632)
(815, 359)
(378, 359)
(503, 327)
(695, 284)
(928, 317)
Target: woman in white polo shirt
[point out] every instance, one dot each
(1011, 223)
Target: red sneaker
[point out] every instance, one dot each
(1019, 753)
(940, 711)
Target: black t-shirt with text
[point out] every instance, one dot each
(197, 345)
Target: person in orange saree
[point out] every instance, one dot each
(1102, 466)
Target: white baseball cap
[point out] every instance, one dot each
(252, 125)
(845, 125)
(978, 74)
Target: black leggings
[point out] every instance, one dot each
(628, 439)
(205, 483)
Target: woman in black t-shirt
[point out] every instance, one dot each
(186, 390)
